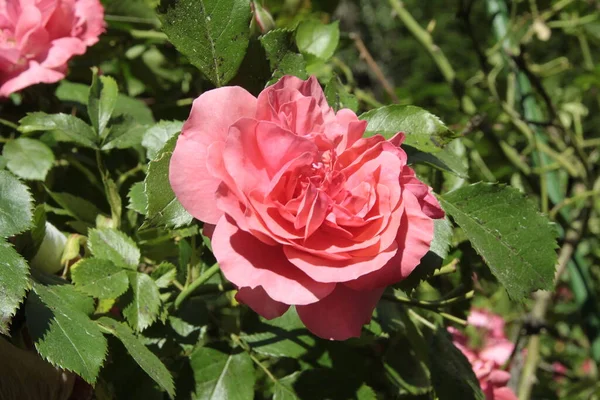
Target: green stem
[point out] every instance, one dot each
(434, 51)
(9, 124)
(195, 284)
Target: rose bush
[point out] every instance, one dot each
(307, 212)
(487, 361)
(38, 37)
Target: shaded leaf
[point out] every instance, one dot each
(15, 205)
(64, 335)
(28, 158)
(68, 127)
(212, 34)
(283, 388)
(222, 376)
(338, 97)
(99, 278)
(143, 309)
(424, 131)
(451, 374)
(147, 360)
(113, 245)
(285, 336)
(514, 239)
(277, 43)
(14, 282)
(76, 207)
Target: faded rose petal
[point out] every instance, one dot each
(38, 38)
(35, 73)
(503, 393)
(340, 315)
(498, 352)
(258, 300)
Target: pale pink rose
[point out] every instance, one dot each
(307, 212)
(38, 37)
(488, 360)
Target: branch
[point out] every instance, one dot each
(365, 55)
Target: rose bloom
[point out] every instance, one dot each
(307, 211)
(488, 360)
(38, 37)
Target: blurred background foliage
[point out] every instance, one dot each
(518, 80)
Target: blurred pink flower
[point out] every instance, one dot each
(38, 37)
(307, 211)
(487, 361)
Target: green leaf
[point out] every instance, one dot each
(212, 34)
(291, 64)
(101, 100)
(164, 274)
(163, 206)
(2, 162)
(515, 241)
(338, 97)
(283, 388)
(424, 131)
(285, 336)
(76, 207)
(124, 134)
(277, 43)
(63, 334)
(114, 199)
(156, 136)
(317, 39)
(365, 392)
(451, 374)
(15, 205)
(113, 245)
(68, 127)
(28, 158)
(78, 93)
(99, 278)
(137, 198)
(77, 300)
(147, 360)
(222, 376)
(145, 302)
(444, 160)
(14, 282)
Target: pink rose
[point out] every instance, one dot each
(488, 360)
(38, 37)
(307, 212)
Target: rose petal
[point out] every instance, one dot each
(340, 315)
(246, 261)
(414, 239)
(326, 270)
(258, 300)
(193, 185)
(32, 75)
